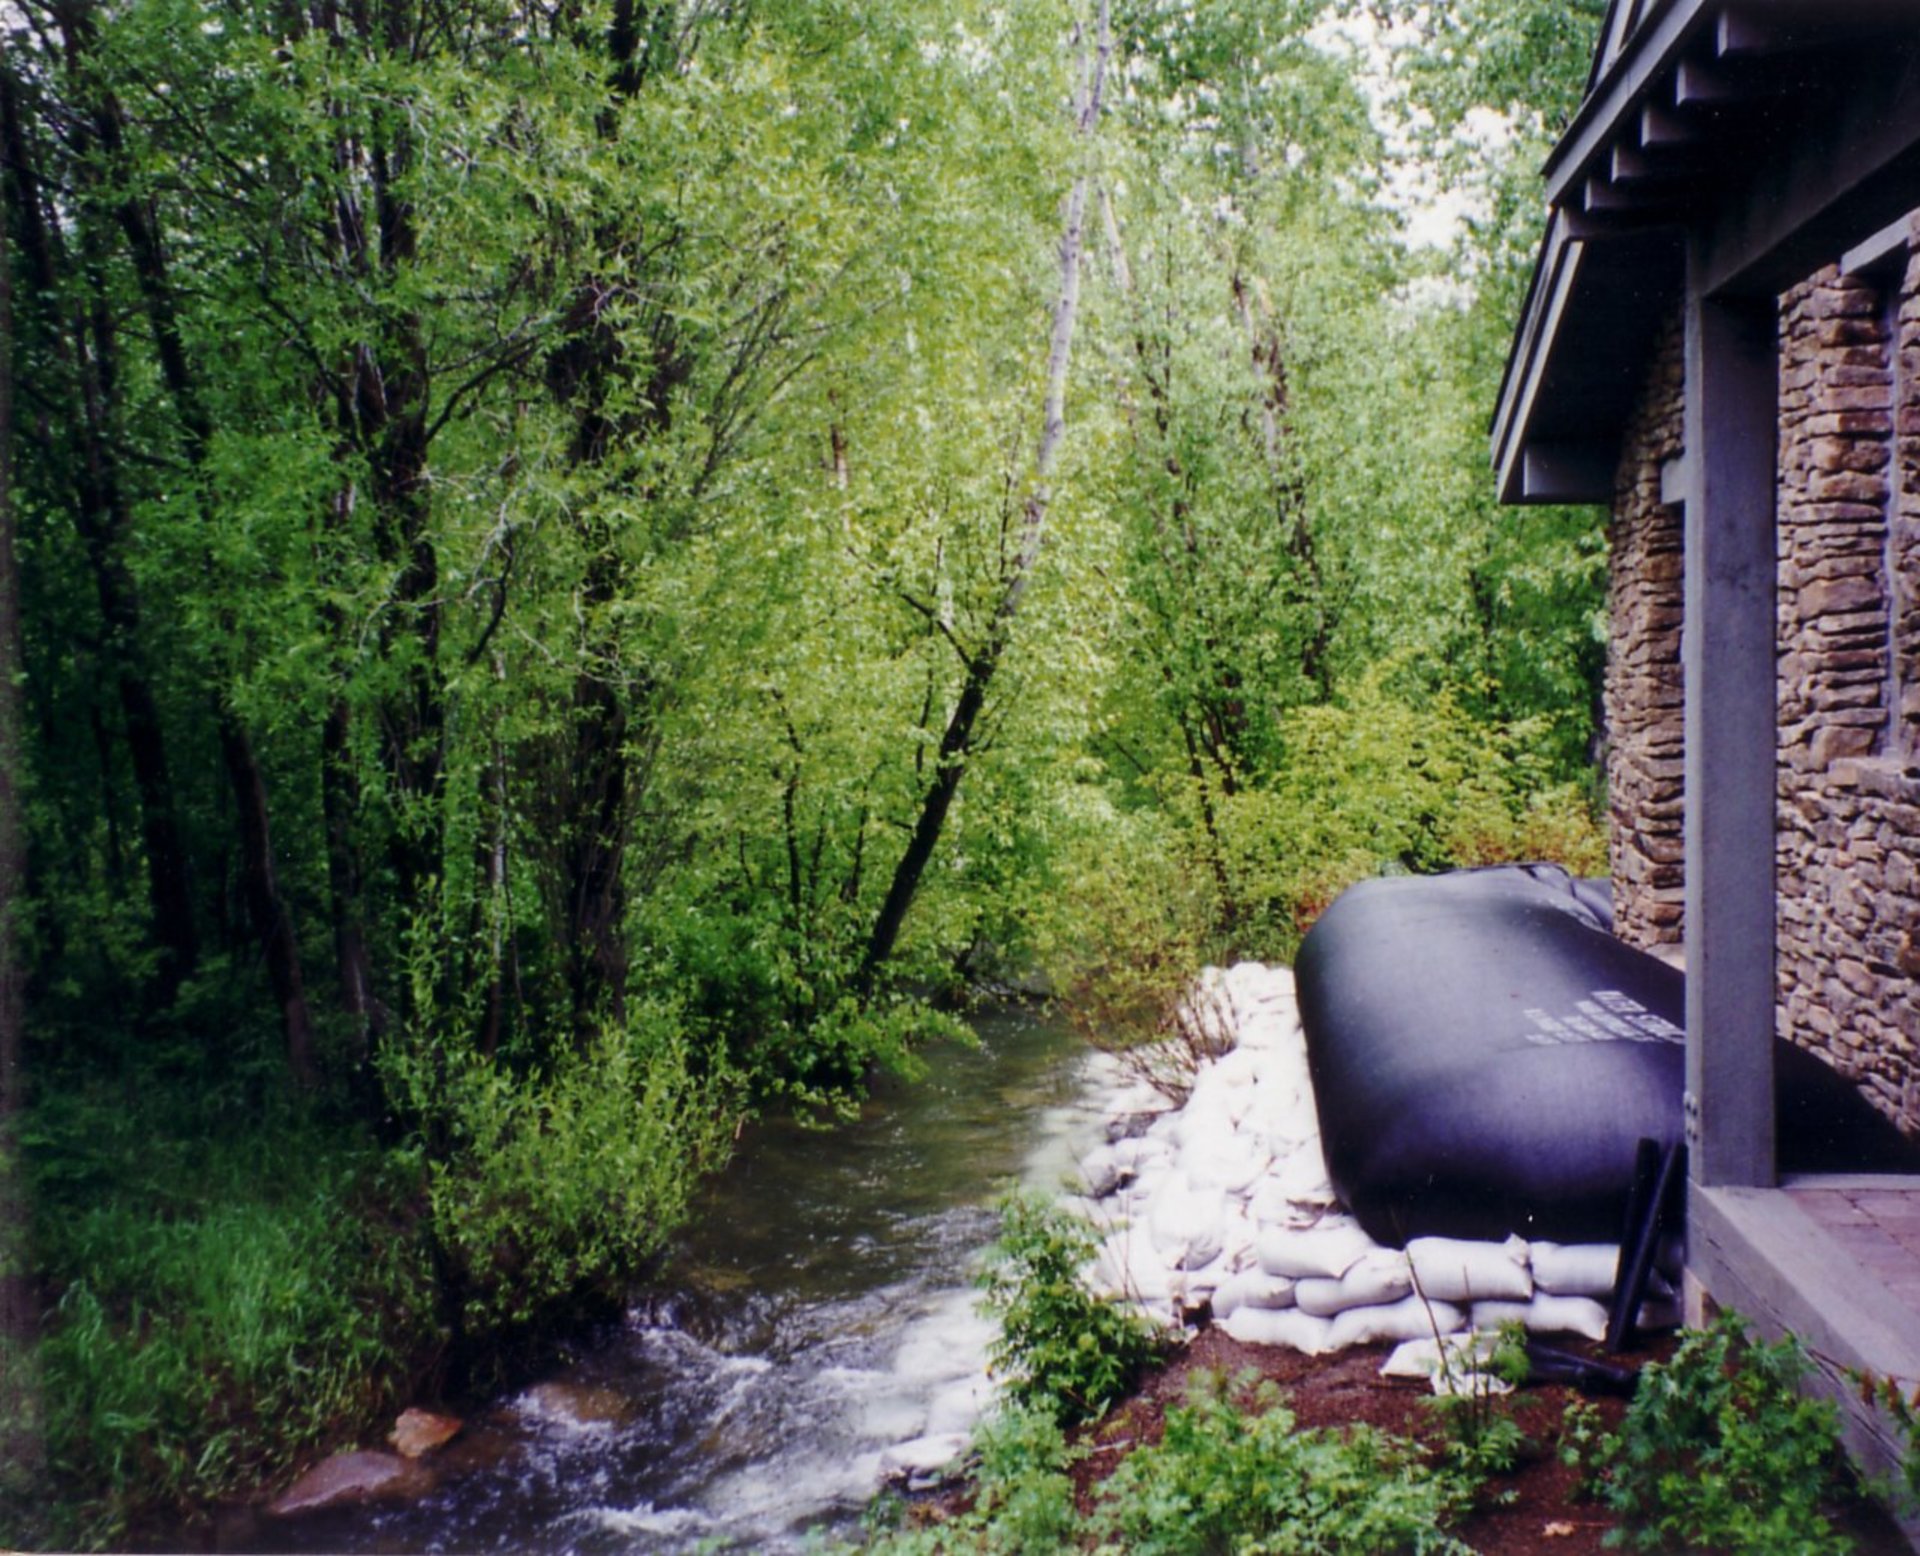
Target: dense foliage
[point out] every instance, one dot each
(1227, 1474)
(1061, 1350)
(584, 565)
(1720, 1451)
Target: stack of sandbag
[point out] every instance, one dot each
(1223, 1202)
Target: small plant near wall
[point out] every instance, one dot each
(1061, 1349)
(1901, 1404)
(1719, 1452)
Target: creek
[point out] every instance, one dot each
(821, 1313)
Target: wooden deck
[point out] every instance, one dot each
(1835, 1261)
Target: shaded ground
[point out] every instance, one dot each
(1546, 1512)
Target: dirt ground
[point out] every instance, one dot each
(1546, 1512)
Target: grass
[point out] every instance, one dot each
(236, 1285)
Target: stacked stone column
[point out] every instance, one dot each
(1645, 691)
(1848, 838)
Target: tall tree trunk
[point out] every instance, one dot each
(339, 804)
(590, 362)
(20, 1445)
(83, 349)
(958, 741)
(267, 907)
(272, 924)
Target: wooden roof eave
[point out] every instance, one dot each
(1677, 100)
(1574, 369)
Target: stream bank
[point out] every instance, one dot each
(820, 1316)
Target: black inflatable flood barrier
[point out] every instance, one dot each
(1487, 1058)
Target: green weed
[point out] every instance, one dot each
(1061, 1349)
(1719, 1452)
(1252, 1481)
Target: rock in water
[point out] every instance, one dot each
(352, 1477)
(419, 1432)
(579, 1407)
(923, 1462)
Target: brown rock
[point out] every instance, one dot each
(1838, 740)
(1831, 596)
(352, 1477)
(1907, 958)
(419, 1432)
(578, 1404)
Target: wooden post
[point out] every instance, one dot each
(1732, 399)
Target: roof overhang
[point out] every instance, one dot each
(1742, 126)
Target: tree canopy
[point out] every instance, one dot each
(586, 568)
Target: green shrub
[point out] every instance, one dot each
(1061, 1349)
(1719, 1452)
(548, 1190)
(1252, 1482)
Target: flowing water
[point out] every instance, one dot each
(821, 1315)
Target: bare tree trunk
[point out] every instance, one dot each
(84, 351)
(20, 1444)
(272, 924)
(957, 743)
(267, 907)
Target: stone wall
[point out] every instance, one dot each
(1644, 692)
(1848, 840)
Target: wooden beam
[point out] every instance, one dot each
(1567, 472)
(1661, 129)
(1704, 86)
(1760, 1254)
(1742, 35)
(1554, 276)
(1600, 195)
(1656, 46)
(1885, 248)
(1637, 221)
(1821, 190)
(1674, 477)
(1728, 669)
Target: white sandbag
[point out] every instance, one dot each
(1226, 1297)
(1487, 1317)
(1302, 1176)
(1422, 1358)
(1101, 1172)
(1548, 1314)
(1454, 1270)
(1327, 1250)
(1407, 1319)
(1127, 1266)
(1470, 1382)
(1289, 1327)
(1187, 1223)
(1575, 1269)
(1235, 1071)
(1381, 1275)
(1268, 1204)
(1284, 1120)
(1141, 1152)
(1150, 1184)
(1232, 1165)
(1266, 1027)
(1205, 1122)
(1139, 1100)
(1263, 1290)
